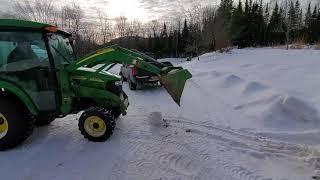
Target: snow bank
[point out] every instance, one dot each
(230, 81)
(290, 113)
(253, 87)
(258, 89)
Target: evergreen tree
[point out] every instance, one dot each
(266, 14)
(164, 32)
(275, 31)
(222, 24)
(314, 24)
(291, 20)
(164, 39)
(298, 17)
(246, 7)
(318, 27)
(185, 35)
(308, 16)
(237, 26)
(262, 25)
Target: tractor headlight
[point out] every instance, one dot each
(118, 83)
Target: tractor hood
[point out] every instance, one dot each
(93, 76)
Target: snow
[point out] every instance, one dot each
(247, 114)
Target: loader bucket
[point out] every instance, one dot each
(174, 82)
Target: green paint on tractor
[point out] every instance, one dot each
(40, 80)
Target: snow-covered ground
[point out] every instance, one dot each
(249, 114)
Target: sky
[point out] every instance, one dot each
(144, 10)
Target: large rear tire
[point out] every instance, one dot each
(96, 124)
(16, 124)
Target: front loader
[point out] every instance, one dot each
(40, 80)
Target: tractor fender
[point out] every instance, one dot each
(20, 94)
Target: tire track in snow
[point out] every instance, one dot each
(243, 141)
(256, 146)
(168, 156)
(189, 160)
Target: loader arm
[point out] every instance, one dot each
(172, 78)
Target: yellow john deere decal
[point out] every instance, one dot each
(96, 54)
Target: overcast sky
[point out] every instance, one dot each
(134, 9)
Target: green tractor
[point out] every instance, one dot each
(41, 79)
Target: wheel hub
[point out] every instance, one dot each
(4, 126)
(95, 126)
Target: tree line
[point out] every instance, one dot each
(246, 24)
(201, 29)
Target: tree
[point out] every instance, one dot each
(105, 27)
(222, 24)
(314, 26)
(291, 18)
(207, 35)
(121, 25)
(299, 16)
(71, 19)
(308, 16)
(164, 39)
(185, 33)
(275, 30)
(237, 25)
(41, 11)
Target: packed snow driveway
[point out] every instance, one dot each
(247, 115)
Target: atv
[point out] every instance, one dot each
(41, 79)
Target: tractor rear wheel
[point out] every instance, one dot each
(16, 124)
(96, 124)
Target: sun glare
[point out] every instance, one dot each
(129, 8)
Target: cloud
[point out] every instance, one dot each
(168, 9)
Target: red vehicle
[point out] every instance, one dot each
(136, 77)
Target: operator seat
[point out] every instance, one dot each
(22, 52)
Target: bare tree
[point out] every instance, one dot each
(71, 19)
(105, 27)
(207, 39)
(195, 27)
(88, 32)
(42, 11)
(121, 25)
(155, 27)
(136, 28)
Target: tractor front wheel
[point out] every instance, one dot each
(16, 124)
(96, 124)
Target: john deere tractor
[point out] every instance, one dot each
(41, 79)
